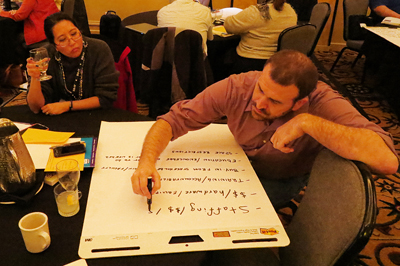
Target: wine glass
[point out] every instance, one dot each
(68, 173)
(41, 58)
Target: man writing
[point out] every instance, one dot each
(281, 117)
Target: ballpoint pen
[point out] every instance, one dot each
(149, 187)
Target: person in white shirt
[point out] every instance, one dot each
(188, 14)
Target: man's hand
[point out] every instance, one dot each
(140, 178)
(155, 142)
(287, 133)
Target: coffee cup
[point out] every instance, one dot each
(35, 231)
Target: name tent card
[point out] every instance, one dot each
(210, 197)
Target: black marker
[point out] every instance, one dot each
(149, 187)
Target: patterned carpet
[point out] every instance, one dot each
(384, 245)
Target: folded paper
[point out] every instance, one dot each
(40, 136)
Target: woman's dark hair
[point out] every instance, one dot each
(289, 67)
(52, 20)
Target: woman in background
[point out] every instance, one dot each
(82, 69)
(33, 13)
(259, 27)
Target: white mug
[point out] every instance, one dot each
(35, 231)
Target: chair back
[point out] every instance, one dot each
(76, 10)
(335, 218)
(319, 16)
(299, 38)
(173, 67)
(352, 8)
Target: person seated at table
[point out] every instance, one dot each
(384, 8)
(259, 27)
(33, 13)
(187, 14)
(82, 69)
(281, 117)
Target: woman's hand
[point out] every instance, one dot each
(32, 68)
(56, 108)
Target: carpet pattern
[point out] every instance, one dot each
(384, 245)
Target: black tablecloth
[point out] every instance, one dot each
(220, 54)
(382, 67)
(65, 232)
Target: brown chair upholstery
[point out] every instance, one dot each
(299, 38)
(332, 225)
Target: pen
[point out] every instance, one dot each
(149, 187)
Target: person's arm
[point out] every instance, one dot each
(105, 75)
(241, 22)
(35, 98)
(210, 35)
(154, 144)
(62, 107)
(384, 11)
(22, 13)
(351, 143)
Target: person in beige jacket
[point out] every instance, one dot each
(259, 27)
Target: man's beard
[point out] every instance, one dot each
(266, 116)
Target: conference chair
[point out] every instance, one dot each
(319, 16)
(333, 223)
(173, 68)
(336, 217)
(76, 9)
(300, 38)
(351, 31)
(134, 40)
(126, 96)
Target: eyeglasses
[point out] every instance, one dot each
(64, 41)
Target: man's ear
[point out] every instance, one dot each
(300, 103)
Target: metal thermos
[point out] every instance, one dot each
(17, 171)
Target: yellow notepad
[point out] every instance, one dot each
(52, 162)
(220, 31)
(40, 136)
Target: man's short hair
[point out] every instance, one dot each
(289, 67)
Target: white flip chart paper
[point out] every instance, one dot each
(210, 197)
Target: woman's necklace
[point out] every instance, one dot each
(78, 76)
